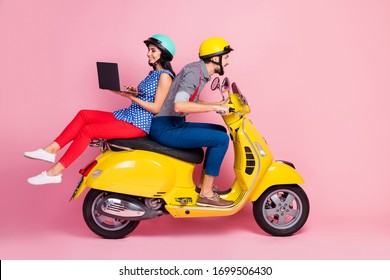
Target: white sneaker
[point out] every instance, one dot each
(43, 179)
(41, 154)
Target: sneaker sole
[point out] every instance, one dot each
(44, 183)
(38, 158)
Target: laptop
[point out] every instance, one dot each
(108, 75)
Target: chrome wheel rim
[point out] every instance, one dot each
(282, 209)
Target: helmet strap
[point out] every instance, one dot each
(154, 64)
(219, 63)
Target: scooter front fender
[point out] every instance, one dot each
(278, 173)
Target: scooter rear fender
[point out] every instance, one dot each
(278, 173)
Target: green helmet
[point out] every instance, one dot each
(164, 43)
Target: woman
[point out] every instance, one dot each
(130, 122)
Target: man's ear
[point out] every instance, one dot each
(215, 59)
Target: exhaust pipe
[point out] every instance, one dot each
(125, 207)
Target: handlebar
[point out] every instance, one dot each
(237, 101)
(231, 110)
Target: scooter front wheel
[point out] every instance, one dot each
(102, 225)
(282, 210)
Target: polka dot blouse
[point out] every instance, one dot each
(135, 114)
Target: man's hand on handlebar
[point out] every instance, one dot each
(223, 110)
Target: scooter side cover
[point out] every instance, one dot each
(139, 173)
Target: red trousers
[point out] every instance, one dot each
(89, 125)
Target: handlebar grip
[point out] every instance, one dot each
(231, 110)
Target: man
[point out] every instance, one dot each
(169, 126)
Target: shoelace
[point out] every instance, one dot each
(210, 197)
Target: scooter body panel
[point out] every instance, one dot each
(139, 173)
(252, 154)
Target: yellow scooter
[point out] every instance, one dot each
(137, 179)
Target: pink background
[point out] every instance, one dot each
(317, 76)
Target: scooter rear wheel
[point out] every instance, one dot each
(101, 225)
(282, 210)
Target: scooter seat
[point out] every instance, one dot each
(146, 144)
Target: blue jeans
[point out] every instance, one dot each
(175, 132)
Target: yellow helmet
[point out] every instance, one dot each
(213, 46)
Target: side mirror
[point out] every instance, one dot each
(225, 85)
(215, 84)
